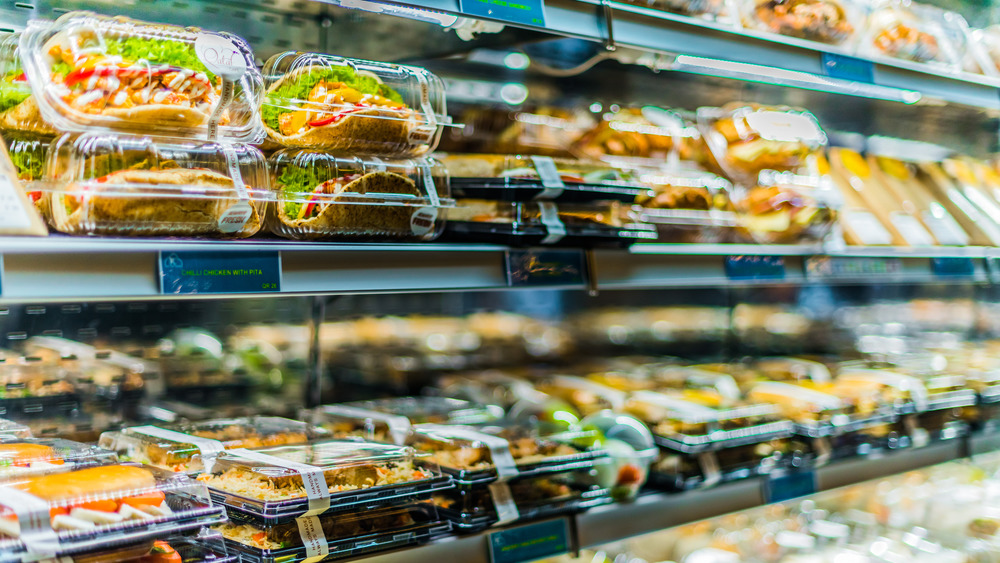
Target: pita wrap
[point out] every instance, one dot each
(372, 130)
(26, 117)
(345, 216)
(144, 214)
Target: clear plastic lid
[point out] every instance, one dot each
(586, 396)
(31, 456)
(749, 138)
(908, 31)
(317, 101)
(87, 509)
(525, 178)
(106, 184)
(327, 197)
(834, 22)
(391, 419)
(786, 208)
(105, 373)
(984, 55)
(687, 206)
(278, 484)
(88, 71)
(33, 379)
(793, 369)
(10, 429)
(18, 108)
(637, 135)
(801, 404)
(894, 387)
(206, 546)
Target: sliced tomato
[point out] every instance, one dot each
(58, 511)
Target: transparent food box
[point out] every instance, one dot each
(18, 108)
(33, 388)
(325, 102)
(834, 22)
(345, 535)
(276, 485)
(165, 446)
(545, 223)
(102, 374)
(648, 135)
(106, 184)
(96, 507)
(688, 206)
(10, 429)
(586, 396)
(90, 71)
(390, 420)
(28, 153)
(21, 457)
(205, 546)
(526, 178)
(320, 196)
(909, 31)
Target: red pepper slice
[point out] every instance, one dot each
(21, 78)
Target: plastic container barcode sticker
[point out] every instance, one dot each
(208, 448)
(553, 225)
(548, 173)
(313, 538)
(236, 217)
(33, 525)
(424, 133)
(313, 480)
(399, 426)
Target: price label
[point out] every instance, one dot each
(533, 267)
(531, 542)
(847, 68)
(187, 272)
(523, 12)
(866, 227)
(756, 268)
(220, 55)
(789, 485)
(955, 267)
(836, 267)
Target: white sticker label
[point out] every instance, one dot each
(910, 228)
(220, 56)
(548, 173)
(313, 480)
(13, 215)
(944, 227)
(503, 501)
(208, 449)
(553, 225)
(784, 126)
(313, 538)
(34, 523)
(424, 132)
(866, 227)
(499, 448)
(399, 426)
(235, 218)
(423, 220)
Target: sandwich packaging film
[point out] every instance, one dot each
(688, 206)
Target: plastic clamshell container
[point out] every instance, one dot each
(347, 535)
(18, 109)
(638, 136)
(359, 475)
(33, 388)
(820, 413)
(984, 54)
(102, 374)
(320, 196)
(325, 102)
(793, 369)
(20, 457)
(391, 419)
(833, 22)
(688, 206)
(526, 178)
(106, 184)
(28, 153)
(786, 208)
(10, 429)
(585, 395)
(126, 503)
(89, 71)
(908, 31)
(746, 139)
(468, 458)
(605, 224)
(905, 393)
(206, 546)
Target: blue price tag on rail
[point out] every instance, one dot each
(536, 267)
(953, 267)
(189, 272)
(524, 12)
(847, 68)
(530, 542)
(786, 486)
(755, 268)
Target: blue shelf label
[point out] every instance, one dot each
(524, 12)
(847, 68)
(186, 272)
(531, 542)
(955, 267)
(836, 267)
(786, 486)
(755, 267)
(536, 267)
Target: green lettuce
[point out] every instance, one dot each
(29, 163)
(294, 182)
(12, 93)
(156, 51)
(284, 98)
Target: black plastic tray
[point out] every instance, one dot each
(574, 462)
(829, 428)
(52, 406)
(518, 234)
(525, 189)
(467, 522)
(723, 439)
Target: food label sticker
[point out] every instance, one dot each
(220, 107)
(847, 68)
(910, 228)
(423, 133)
(220, 56)
(499, 448)
(423, 220)
(548, 173)
(313, 480)
(399, 426)
(866, 226)
(206, 447)
(34, 521)
(503, 502)
(189, 272)
(233, 219)
(523, 12)
(944, 227)
(313, 538)
(553, 225)
(785, 126)
(432, 193)
(13, 215)
(793, 484)
(530, 542)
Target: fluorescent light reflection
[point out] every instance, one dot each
(795, 79)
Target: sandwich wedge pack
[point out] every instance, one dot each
(349, 106)
(20, 457)
(107, 184)
(19, 111)
(320, 196)
(89, 71)
(97, 507)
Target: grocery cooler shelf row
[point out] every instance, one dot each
(657, 511)
(60, 268)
